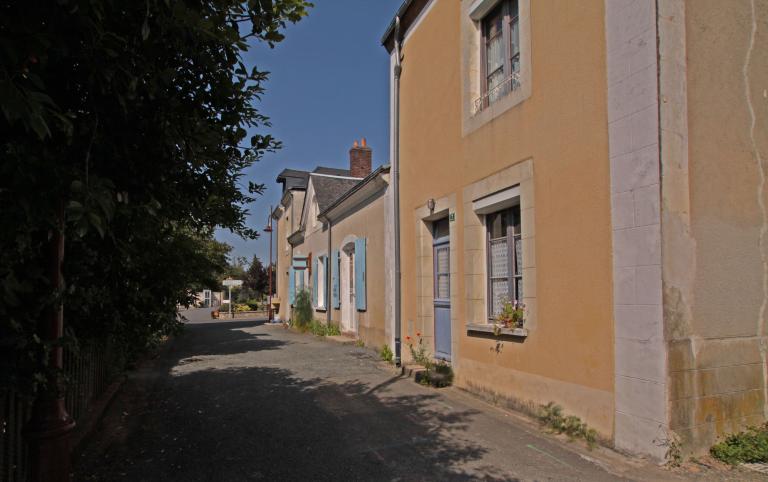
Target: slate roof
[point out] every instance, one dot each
(329, 189)
(293, 179)
(332, 171)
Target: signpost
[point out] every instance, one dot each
(229, 283)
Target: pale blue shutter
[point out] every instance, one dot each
(291, 286)
(360, 301)
(335, 279)
(314, 282)
(324, 281)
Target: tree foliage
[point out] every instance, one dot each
(133, 117)
(256, 277)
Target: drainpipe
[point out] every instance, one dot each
(328, 280)
(396, 189)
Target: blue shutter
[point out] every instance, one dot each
(291, 286)
(335, 279)
(360, 301)
(324, 281)
(314, 282)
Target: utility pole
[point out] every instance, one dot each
(268, 229)
(49, 429)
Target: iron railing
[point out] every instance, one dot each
(509, 84)
(88, 372)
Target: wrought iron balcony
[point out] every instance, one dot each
(509, 84)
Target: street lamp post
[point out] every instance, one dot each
(268, 229)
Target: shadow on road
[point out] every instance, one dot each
(210, 416)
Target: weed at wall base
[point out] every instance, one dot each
(386, 353)
(551, 415)
(749, 446)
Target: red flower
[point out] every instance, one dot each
(407, 338)
(418, 333)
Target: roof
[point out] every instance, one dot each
(359, 185)
(293, 179)
(408, 12)
(332, 171)
(329, 189)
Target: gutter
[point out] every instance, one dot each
(394, 25)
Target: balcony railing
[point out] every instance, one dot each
(509, 84)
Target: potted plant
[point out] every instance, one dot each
(512, 314)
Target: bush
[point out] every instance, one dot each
(242, 307)
(386, 353)
(749, 446)
(302, 311)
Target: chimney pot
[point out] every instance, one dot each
(362, 142)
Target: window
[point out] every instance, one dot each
(504, 248)
(321, 264)
(442, 264)
(500, 52)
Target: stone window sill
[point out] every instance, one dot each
(488, 328)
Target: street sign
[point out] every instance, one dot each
(232, 282)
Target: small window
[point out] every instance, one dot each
(504, 248)
(500, 53)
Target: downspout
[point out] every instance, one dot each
(328, 280)
(396, 188)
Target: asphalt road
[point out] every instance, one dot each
(235, 400)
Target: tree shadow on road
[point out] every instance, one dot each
(266, 423)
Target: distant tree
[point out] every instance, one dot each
(131, 117)
(256, 277)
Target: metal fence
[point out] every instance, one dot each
(89, 373)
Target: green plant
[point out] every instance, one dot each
(302, 311)
(419, 354)
(748, 446)
(438, 375)
(242, 307)
(318, 328)
(512, 314)
(360, 343)
(551, 415)
(386, 353)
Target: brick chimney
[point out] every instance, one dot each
(360, 157)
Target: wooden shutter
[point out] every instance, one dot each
(314, 282)
(360, 290)
(291, 286)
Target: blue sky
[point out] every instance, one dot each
(328, 86)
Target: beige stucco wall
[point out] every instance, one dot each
(714, 242)
(365, 222)
(286, 225)
(561, 129)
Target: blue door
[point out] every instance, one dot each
(442, 283)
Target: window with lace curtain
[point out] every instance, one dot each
(500, 51)
(504, 248)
